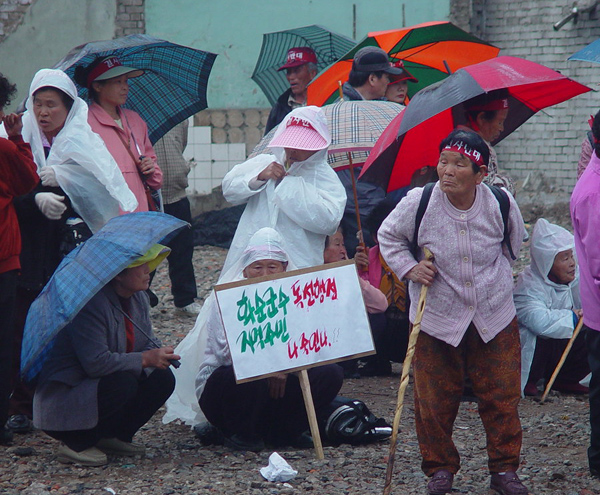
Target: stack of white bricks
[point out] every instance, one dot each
(210, 162)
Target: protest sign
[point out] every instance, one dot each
(294, 320)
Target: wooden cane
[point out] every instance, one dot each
(562, 360)
(410, 352)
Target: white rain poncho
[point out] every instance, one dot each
(202, 353)
(304, 207)
(544, 308)
(85, 170)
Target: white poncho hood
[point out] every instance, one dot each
(544, 308)
(85, 169)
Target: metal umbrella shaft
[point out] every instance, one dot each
(175, 362)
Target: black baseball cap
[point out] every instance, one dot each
(374, 59)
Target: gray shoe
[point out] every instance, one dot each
(119, 447)
(87, 457)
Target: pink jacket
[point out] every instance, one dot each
(474, 281)
(373, 274)
(135, 132)
(585, 205)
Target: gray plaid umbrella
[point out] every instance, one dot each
(172, 88)
(327, 45)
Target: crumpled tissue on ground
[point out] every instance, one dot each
(278, 469)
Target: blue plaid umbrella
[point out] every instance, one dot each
(80, 276)
(173, 87)
(327, 45)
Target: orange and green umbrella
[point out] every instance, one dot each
(430, 52)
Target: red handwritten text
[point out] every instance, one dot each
(313, 343)
(314, 291)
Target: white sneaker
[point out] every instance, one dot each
(191, 309)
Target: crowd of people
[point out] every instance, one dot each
(69, 166)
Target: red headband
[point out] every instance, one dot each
(101, 68)
(462, 148)
(492, 105)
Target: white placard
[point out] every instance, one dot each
(294, 320)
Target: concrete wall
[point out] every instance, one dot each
(234, 28)
(43, 33)
(547, 147)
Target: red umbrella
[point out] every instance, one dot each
(411, 140)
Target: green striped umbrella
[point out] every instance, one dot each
(327, 45)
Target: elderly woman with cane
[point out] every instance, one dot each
(468, 327)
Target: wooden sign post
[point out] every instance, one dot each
(293, 321)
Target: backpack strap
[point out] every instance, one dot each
(427, 190)
(498, 193)
(504, 202)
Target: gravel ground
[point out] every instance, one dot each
(555, 438)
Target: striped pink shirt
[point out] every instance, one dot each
(474, 280)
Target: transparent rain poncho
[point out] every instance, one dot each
(85, 170)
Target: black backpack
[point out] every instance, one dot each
(498, 192)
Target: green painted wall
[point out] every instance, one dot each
(50, 29)
(233, 29)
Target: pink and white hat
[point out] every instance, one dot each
(304, 128)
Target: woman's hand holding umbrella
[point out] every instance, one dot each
(159, 358)
(146, 165)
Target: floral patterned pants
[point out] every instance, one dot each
(495, 373)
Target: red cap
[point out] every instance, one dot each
(299, 55)
(403, 76)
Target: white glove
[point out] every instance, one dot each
(50, 204)
(48, 177)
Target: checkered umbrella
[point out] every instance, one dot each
(173, 86)
(355, 126)
(80, 276)
(327, 45)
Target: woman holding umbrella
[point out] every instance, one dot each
(104, 377)
(469, 328)
(486, 115)
(123, 130)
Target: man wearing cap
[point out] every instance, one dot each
(371, 74)
(293, 190)
(301, 68)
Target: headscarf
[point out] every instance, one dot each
(153, 257)
(85, 169)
